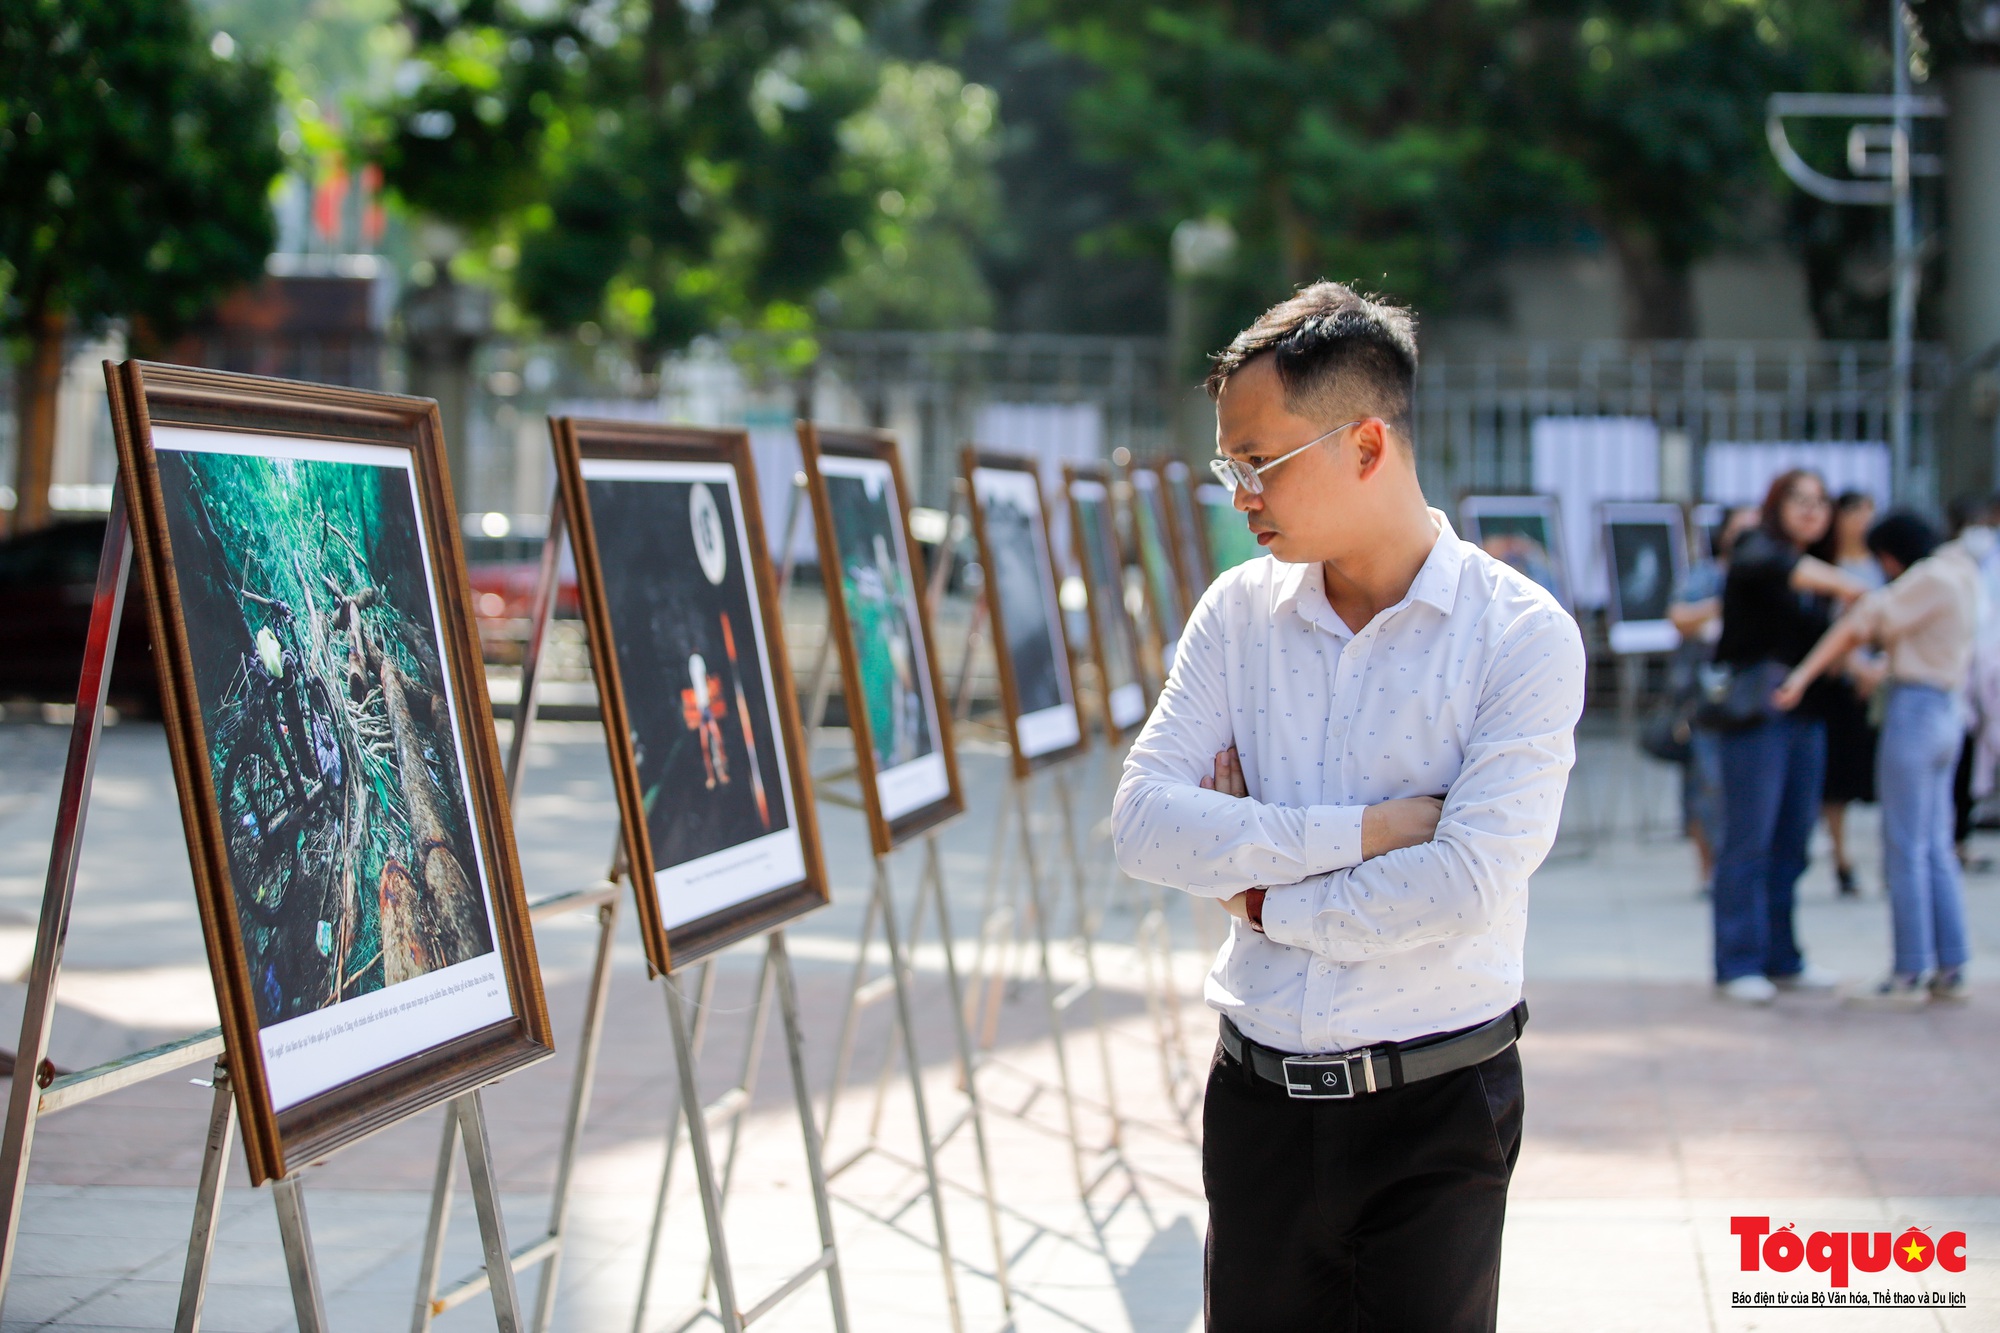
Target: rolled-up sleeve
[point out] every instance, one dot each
(1499, 820)
(1169, 830)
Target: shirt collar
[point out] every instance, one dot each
(1302, 588)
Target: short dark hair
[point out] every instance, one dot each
(1330, 341)
(1903, 535)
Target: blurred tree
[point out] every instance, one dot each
(924, 147)
(1646, 117)
(657, 170)
(136, 155)
(708, 182)
(1333, 139)
(1397, 144)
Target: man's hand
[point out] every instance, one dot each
(1405, 822)
(1228, 777)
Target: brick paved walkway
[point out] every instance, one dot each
(1655, 1113)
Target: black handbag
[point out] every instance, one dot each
(1668, 734)
(1738, 697)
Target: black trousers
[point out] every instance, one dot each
(1380, 1214)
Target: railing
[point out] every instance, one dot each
(1475, 409)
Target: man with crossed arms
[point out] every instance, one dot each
(1361, 752)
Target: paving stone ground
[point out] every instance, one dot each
(1655, 1113)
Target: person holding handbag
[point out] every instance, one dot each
(1776, 604)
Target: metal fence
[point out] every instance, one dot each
(1476, 408)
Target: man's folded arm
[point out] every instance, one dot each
(1499, 819)
(1167, 829)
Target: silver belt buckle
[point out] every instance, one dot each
(1325, 1077)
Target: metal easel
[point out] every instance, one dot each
(897, 981)
(1000, 923)
(39, 1090)
(731, 1107)
(546, 1249)
(1153, 944)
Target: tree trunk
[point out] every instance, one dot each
(452, 917)
(38, 382)
(1658, 293)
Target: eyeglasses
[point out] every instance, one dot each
(1235, 473)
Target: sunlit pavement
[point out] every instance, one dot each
(1655, 1112)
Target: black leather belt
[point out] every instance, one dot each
(1376, 1068)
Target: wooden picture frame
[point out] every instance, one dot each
(1153, 539)
(1186, 540)
(1101, 565)
(1230, 541)
(1535, 521)
(304, 798)
(1054, 731)
(1645, 557)
(748, 762)
(916, 794)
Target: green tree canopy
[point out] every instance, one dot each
(660, 170)
(135, 166)
(1395, 143)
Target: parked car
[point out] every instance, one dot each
(47, 581)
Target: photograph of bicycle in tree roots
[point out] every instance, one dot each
(329, 731)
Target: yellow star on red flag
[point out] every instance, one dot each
(1914, 1250)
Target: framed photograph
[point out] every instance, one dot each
(875, 611)
(1114, 641)
(333, 748)
(1152, 531)
(1645, 554)
(1708, 521)
(1184, 528)
(707, 752)
(1230, 541)
(1523, 531)
(1012, 528)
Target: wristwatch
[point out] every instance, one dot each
(1253, 907)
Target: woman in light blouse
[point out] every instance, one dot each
(1925, 621)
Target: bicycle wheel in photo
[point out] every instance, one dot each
(262, 835)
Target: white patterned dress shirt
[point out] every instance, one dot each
(1469, 688)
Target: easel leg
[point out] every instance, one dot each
(905, 1015)
(471, 1115)
(207, 1198)
(746, 1080)
(704, 989)
(443, 1185)
(858, 998)
(308, 1302)
(934, 873)
(1037, 906)
(1086, 932)
(730, 1313)
(788, 1007)
(580, 1087)
(114, 568)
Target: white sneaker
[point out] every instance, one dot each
(1809, 978)
(1893, 993)
(1748, 990)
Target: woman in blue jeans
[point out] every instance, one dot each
(1924, 620)
(1776, 604)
